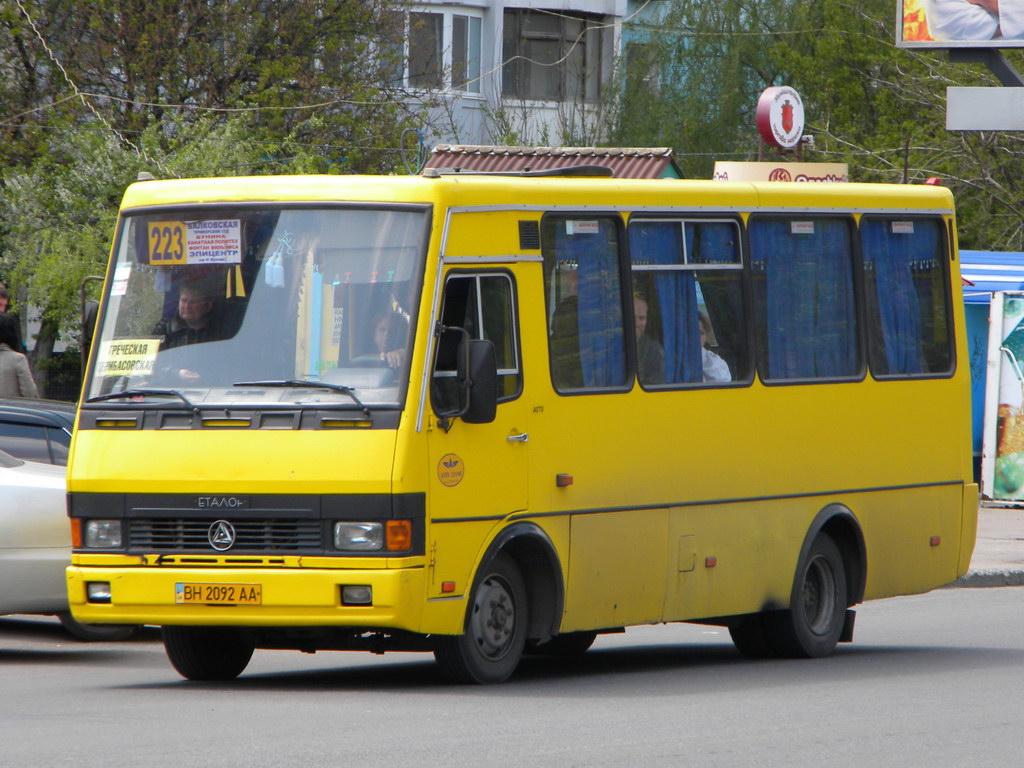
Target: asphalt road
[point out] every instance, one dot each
(932, 680)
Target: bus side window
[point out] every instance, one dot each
(805, 312)
(583, 292)
(483, 305)
(906, 295)
(688, 301)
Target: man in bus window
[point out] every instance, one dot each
(194, 322)
(389, 337)
(650, 357)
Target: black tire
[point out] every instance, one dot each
(97, 633)
(566, 644)
(811, 627)
(751, 638)
(491, 645)
(207, 653)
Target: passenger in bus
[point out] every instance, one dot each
(715, 368)
(650, 356)
(194, 321)
(565, 333)
(389, 335)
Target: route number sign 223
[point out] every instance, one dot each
(167, 242)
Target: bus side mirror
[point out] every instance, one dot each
(90, 310)
(477, 376)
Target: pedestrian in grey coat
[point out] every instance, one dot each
(15, 375)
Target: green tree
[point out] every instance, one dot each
(93, 92)
(59, 213)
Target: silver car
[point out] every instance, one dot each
(35, 546)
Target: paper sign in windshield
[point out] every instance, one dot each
(127, 357)
(214, 241)
(122, 274)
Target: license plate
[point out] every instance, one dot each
(218, 594)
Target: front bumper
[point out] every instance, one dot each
(291, 597)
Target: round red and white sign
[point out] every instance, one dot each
(780, 116)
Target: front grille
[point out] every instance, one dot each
(193, 535)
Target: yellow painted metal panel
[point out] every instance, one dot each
(243, 461)
(616, 569)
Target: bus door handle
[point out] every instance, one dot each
(518, 438)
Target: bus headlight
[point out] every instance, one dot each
(103, 534)
(359, 537)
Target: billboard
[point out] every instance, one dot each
(960, 23)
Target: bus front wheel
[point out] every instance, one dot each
(93, 633)
(207, 653)
(489, 649)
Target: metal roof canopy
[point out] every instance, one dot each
(625, 163)
(990, 271)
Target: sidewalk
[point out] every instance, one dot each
(998, 559)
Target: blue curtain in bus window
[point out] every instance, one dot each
(717, 244)
(660, 243)
(601, 343)
(807, 299)
(892, 257)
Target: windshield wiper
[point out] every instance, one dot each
(299, 383)
(143, 393)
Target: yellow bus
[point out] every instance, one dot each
(491, 415)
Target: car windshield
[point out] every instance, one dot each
(261, 306)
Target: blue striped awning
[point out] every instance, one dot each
(990, 271)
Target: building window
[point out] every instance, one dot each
(425, 52)
(441, 51)
(466, 53)
(553, 56)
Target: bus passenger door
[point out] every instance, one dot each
(478, 472)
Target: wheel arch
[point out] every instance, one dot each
(841, 524)
(537, 559)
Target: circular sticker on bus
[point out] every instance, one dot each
(450, 470)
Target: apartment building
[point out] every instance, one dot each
(526, 72)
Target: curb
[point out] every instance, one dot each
(990, 579)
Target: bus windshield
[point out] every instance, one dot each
(262, 306)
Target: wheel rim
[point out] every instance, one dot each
(819, 598)
(493, 624)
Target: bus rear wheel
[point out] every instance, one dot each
(812, 625)
(207, 653)
(751, 638)
(490, 648)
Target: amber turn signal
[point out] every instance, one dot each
(398, 535)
